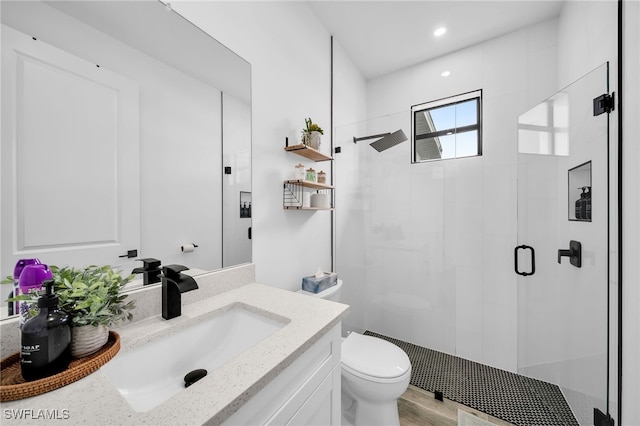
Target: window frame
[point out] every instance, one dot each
(443, 102)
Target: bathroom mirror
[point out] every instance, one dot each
(120, 121)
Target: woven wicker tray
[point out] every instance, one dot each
(13, 386)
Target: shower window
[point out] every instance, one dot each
(448, 128)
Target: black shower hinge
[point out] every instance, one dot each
(603, 103)
(601, 419)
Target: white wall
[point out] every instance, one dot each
(289, 51)
(454, 221)
(631, 216)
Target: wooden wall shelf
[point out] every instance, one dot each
(307, 152)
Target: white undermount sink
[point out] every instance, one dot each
(153, 373)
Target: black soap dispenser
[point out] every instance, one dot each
(46, 339)
(581, 206)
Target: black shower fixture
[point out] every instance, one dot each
(387, 140)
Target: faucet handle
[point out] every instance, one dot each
(150, 270)
(149, 263)
(173, 271)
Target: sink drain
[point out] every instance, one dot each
(193, 376)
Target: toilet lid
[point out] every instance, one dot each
(373, 357)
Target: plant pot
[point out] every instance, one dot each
(314, 140)
(88, 339)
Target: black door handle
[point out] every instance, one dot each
(533, 260)
(574, 254)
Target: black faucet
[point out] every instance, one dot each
(150, 271)
(174, 283)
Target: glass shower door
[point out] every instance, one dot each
(562, 253)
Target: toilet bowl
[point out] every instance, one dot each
(374, 375)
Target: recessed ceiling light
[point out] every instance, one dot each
(440, 31)
(446, 73)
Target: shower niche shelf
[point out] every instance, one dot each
(293, 194)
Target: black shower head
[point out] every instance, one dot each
(387, 140)
(390, 140)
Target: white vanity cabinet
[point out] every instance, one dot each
(307, 392)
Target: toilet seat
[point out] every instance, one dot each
(374, 359)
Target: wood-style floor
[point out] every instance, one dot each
(418, 407)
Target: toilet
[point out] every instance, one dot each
(374, 374)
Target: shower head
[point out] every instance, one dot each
(387, 140)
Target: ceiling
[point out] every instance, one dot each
(384, 36)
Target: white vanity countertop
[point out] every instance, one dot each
(94, 400)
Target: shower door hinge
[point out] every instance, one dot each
(603, 103)
(601, 419)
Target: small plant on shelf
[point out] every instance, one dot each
(311, 133)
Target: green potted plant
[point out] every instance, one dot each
(93, 297)
(311, 134)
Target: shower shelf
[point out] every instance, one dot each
(308, 184)
(307, 152)
(293, 194)
(293, 191)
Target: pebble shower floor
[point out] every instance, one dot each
(517, 399)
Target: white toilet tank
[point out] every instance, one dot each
(332, 293)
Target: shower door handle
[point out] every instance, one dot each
(574, 254)
(533, 260)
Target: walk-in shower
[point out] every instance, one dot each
(428, 248)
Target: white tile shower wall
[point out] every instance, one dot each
(289, 51)
(453, 284)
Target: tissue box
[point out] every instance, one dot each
(316, 285)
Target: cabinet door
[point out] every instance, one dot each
(306, 392)
(70, 157)
(323, 406)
